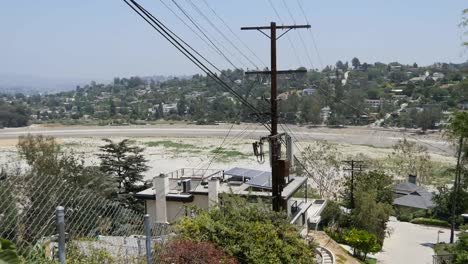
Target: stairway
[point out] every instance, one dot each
(327, 256)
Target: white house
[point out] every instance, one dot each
(171, 193)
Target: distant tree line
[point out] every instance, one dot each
(12, 115)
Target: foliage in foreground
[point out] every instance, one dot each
(186, 251)
(8, 253)
(250, 232)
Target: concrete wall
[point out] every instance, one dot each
(176, 210)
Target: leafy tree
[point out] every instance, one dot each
(355, 62)
(409, 158)
(181, 106)
(251, 232)
(458, 131)
(362, 243)
(310, 110)
(371, 215)
(125, 164)
(323, 161)
(112, 108)
(376, 181)
(13, 115)
(45, 158)
(340, 65)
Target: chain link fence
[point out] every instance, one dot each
(95, 227)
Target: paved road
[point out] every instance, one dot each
(356, 136)
(410, 244)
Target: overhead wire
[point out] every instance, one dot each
(157, 25)
(209, 33)
(191, 28)
(234, 34)
(202, 30)
(311, 33)
(200, 12)
(299, 33)
(291, 43)
(206, 39)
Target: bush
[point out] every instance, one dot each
(335, 234)
(8, 252)
(405, 217)
(362, 242)
(430, 221)
(251, 232)
(186, 251)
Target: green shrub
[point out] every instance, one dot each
(362, 243)
(405, 217)
(420, 214)
(335, 234)
(8, 252)
(430, 221)
(251, 232)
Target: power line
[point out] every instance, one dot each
(160, 28)
(293, 47)
(200, 12)
(300, 35)
(191, 28)
(206, 39)
(200, 28)
(209, 33)
(310, 33)
(234, 33)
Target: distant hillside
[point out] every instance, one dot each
(27, 84)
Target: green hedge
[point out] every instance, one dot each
(405, 217)
(430, 221)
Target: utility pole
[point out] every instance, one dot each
(274, 138)
(353, 164)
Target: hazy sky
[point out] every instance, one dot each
(103, 38)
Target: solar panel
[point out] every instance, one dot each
(257, 178)
(262, 180)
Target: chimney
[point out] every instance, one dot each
(412, 179)
(161, 189)
(213, 192)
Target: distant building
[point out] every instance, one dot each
(168, 107)
(325, 113)
(437, 76)
(375, 103)
(463, 105)
(309, 91)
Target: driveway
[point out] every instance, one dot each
(410, 243)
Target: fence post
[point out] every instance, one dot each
(148, 239)
(60, 213)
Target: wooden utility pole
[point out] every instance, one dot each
(274, 138)
(353, 164)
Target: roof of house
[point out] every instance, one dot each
(413, 196)
(406, 188)
(236, 180)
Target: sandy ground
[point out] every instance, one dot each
(85, 141)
